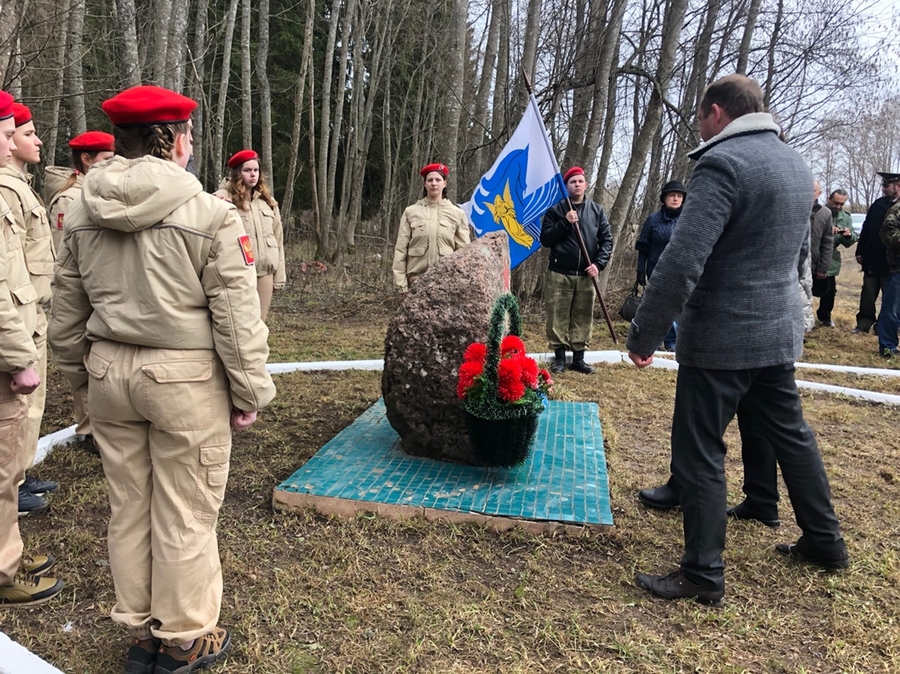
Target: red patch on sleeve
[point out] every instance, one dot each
(246, 249)
(59, 220)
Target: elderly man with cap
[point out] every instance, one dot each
(170, 337)
(429, 229)
(569, 291)
(655, 235)
(30, 217)
(871, 253)
(22, 579)
(889, 319)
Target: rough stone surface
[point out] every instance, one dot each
(447, 309)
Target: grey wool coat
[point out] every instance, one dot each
(731, 269)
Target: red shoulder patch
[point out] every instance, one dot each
(246, 249)
(59, 220)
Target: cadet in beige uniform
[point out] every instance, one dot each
(62, 185)
(31, 220)
(246, 188)
(21, 583)
(156, 307)
(62, 188)
(429, 229)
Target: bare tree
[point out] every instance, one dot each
(265, 90)
(246, 78)
(74, 75)
(216, 158)
(129, 60)
(305, 59)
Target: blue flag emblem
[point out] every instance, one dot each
(520, 187)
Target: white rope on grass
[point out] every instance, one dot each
(663, 360)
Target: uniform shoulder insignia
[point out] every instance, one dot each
(59, 220)
(246, 249)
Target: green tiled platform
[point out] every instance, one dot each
(563, 480)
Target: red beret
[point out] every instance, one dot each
(574, 171)
(437, 168)
(93, 141)
(148, 104)
(6, 105)
(21, 113)
(240, 157)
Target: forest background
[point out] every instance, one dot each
(346, 99)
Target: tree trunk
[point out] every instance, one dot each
(246, 78)
(265, 91)
(746, 39)
(74, 77)
(217, 159)
(501, 83)
(129, 61)
(672, 24)
(325, 183)
(482, 95)
(196, 64)
(177, 46)
(529, 53)
(455, 62)
(162, 26)
(772, 55)
(288, 203)
(604, 70)
(51, 135)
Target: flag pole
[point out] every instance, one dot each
(577, 228)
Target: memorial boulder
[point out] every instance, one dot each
(445, 310)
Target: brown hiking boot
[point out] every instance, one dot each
(206, 651)
(28, 590)
(142, 656)
(37, 565)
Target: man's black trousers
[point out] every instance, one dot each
(705, 403)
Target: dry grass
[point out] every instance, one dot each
(309, 594)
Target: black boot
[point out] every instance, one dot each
(578, 363)
(559, 362)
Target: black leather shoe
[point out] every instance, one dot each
(87, 441)
(661, 498)
(31, 504)
(802, 551)
(578, 364)
(742, 512)
(676, 586)
(559, 361)
(39, 487)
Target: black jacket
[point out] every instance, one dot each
(870, 247)
(558, 235)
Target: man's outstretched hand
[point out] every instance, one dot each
(640, 361)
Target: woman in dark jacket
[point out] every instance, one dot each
(654, 238)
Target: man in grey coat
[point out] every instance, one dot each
(731, 272)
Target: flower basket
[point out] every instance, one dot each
(502, 390)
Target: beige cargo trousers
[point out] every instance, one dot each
(13, 425)
(161, 419)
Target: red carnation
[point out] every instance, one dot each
(475, 352)
(509, 380)
(529, 371)
(545, 377)
(511, 346)
(468, 372)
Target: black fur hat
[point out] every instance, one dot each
(672, 186)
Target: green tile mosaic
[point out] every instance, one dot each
(563, 480)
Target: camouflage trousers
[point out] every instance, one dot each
(569, 306)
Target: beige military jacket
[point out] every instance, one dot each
(428, 230)
(59, 200)
(263, 224)
(17, 317)
(31, 217)
(148, 258)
